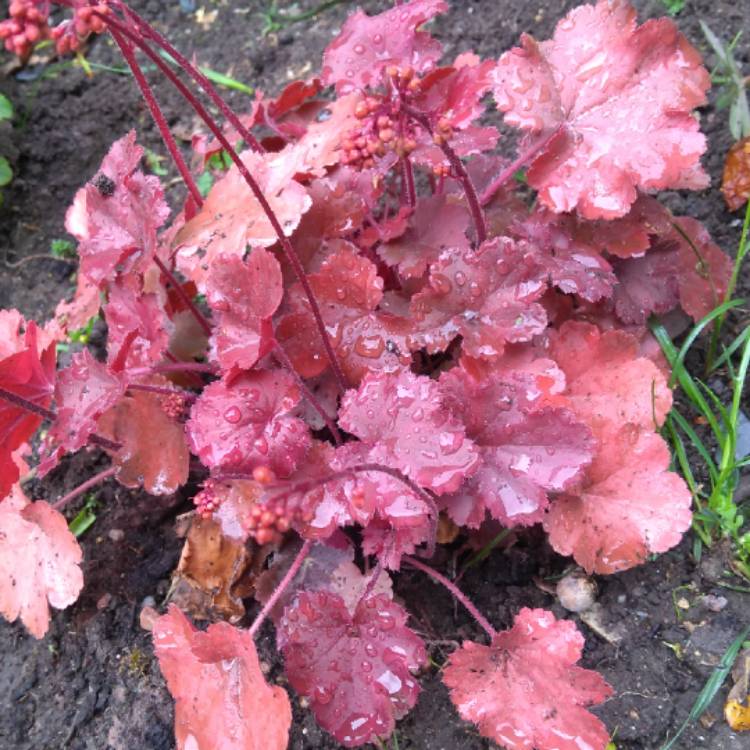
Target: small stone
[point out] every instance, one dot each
(148, 618)
(116, 535)
(683, 603)
(714, 603)
(576, 592)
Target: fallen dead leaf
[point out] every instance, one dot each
(737, 707)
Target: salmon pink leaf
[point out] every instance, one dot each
(83, 392)
(232, 218)
(488, 296)
(245, 424)
(153, 454)
(366, 45)
(222, 698)
(244, 294)
(403, 421)
(622, 96)
(115, 218)
(355, 669)
(525, 691)
(609, 383)
(630, 506)
(39, 562)
(27, 373)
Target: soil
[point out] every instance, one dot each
(93, 683)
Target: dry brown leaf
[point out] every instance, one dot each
(214, 573)
(737, 707)
(735, 183)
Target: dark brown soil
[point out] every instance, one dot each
(92, 683)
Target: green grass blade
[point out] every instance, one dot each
(698, 444)
(685, 379)
(712, 687)
(215, 77)
(698, 329)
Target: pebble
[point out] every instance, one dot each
(116, 535)
(714, 603)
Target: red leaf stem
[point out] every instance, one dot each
(285, 581)
(522, 160)
(460, 171)
(286, 245)
(455, 591)
(85, 487)
(197, 314)
(158, 115)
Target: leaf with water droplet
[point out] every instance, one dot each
(360, 663)
(525, 691)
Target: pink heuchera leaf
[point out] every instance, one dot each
(528, 450)
(367, 44)
(396, 517)
(438, 225)
(246, 424)
(403, 421)
(630, 506)
(244, 294)
(622, 95)
(221, 697)
(39, 562)
(29, 373)
(71, 316)
(83, 392)
(525, 691)
(154, 454)
(115, 218)
(138, 330)
(356, 669)
(232, 218)
(609, 384)
(488, 296)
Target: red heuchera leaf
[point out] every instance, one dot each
(368, 44)
(246, 424)
(154, 454)
(348, 289)
(138, 329)
(356, 669)
(232, 218)
(222, 698)
(525, 691)
(30, 374)
(83, 392)
(115, 218)
(245, 294)
(609, 384)
(623, 95)
(455, 93)
(437, 226)
(646, 285)
(403, 421)
(39, 562)
(575, 266)
(630, 506)
(487, 295)
(704, 269)
(527, 451)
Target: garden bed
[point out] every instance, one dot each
(93, 682)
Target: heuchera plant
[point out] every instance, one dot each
(368, 324)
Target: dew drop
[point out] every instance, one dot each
(322, 694)
(369, 346)
(261, 445)
(232, 415)
(460, 278)
(359, 49)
